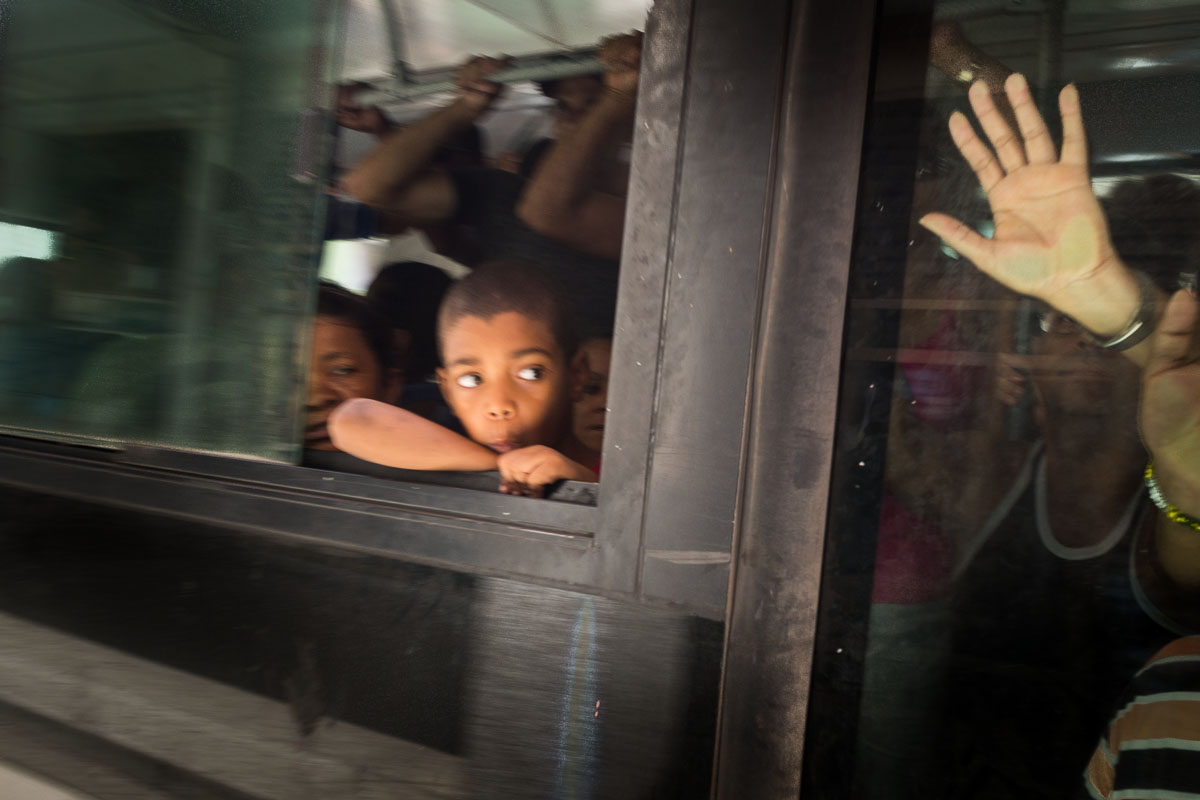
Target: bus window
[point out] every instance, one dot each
(492, 188)
(1015, 581)
(156, 237)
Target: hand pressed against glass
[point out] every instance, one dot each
(1051, 239)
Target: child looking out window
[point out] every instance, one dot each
(509, 372)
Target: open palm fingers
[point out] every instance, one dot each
(1039, 147)
(1007, 144)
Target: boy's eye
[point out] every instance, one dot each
(469, 380)
(531, 373)
(343, 371)
(592, 388)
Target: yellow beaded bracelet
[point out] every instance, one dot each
(1173, 513)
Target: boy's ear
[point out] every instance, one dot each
(580, 370)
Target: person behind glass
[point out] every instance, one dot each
(509, 367)
(1151, 746)
(353, 355)
(400, 177)
(1052, 239)
(1069, 584)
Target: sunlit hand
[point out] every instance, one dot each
(1051, 237)
(621, 57)
(474, 88)
(528, 470)
(1170, 415)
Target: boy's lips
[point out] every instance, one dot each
(504, 446)
(316, 432)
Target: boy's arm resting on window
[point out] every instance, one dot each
(561, 200)
(384, 434)
(1170, 421)
(529, 469)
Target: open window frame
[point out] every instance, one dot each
(692, 272)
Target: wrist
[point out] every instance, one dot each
(1106, 301)
(1180, 486)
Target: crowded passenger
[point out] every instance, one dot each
(508, 370)
(353, 355)
(402, 178)
(1151, 745)
(589, 402)
(1070, 580)
(577, 192)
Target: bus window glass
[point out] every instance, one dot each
(996, 572)
(155, 226)
(493, 187)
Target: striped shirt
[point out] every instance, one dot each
(1151, 750)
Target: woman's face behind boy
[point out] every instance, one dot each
(506, 379)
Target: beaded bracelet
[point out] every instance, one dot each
(1173, 513)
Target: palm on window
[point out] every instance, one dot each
(1051, 239)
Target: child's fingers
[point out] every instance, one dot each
(959, 236)
(1039, 147)
(1008, 147)
(975, 152)
(1171, 344)
(544, 473)
(1074, 150)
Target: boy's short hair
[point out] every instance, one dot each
(497, 287)
(339, 303)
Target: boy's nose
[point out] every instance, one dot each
(500, 406)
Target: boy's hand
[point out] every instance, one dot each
(528, 470)
(474, 89)
(1170, 414)
(621, 56)
(1051, 238)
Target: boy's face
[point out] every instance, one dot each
(507, 380)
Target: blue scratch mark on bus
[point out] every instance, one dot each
(579, 715)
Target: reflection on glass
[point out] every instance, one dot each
(153, 245)
(520, 186)
(1019, 576)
